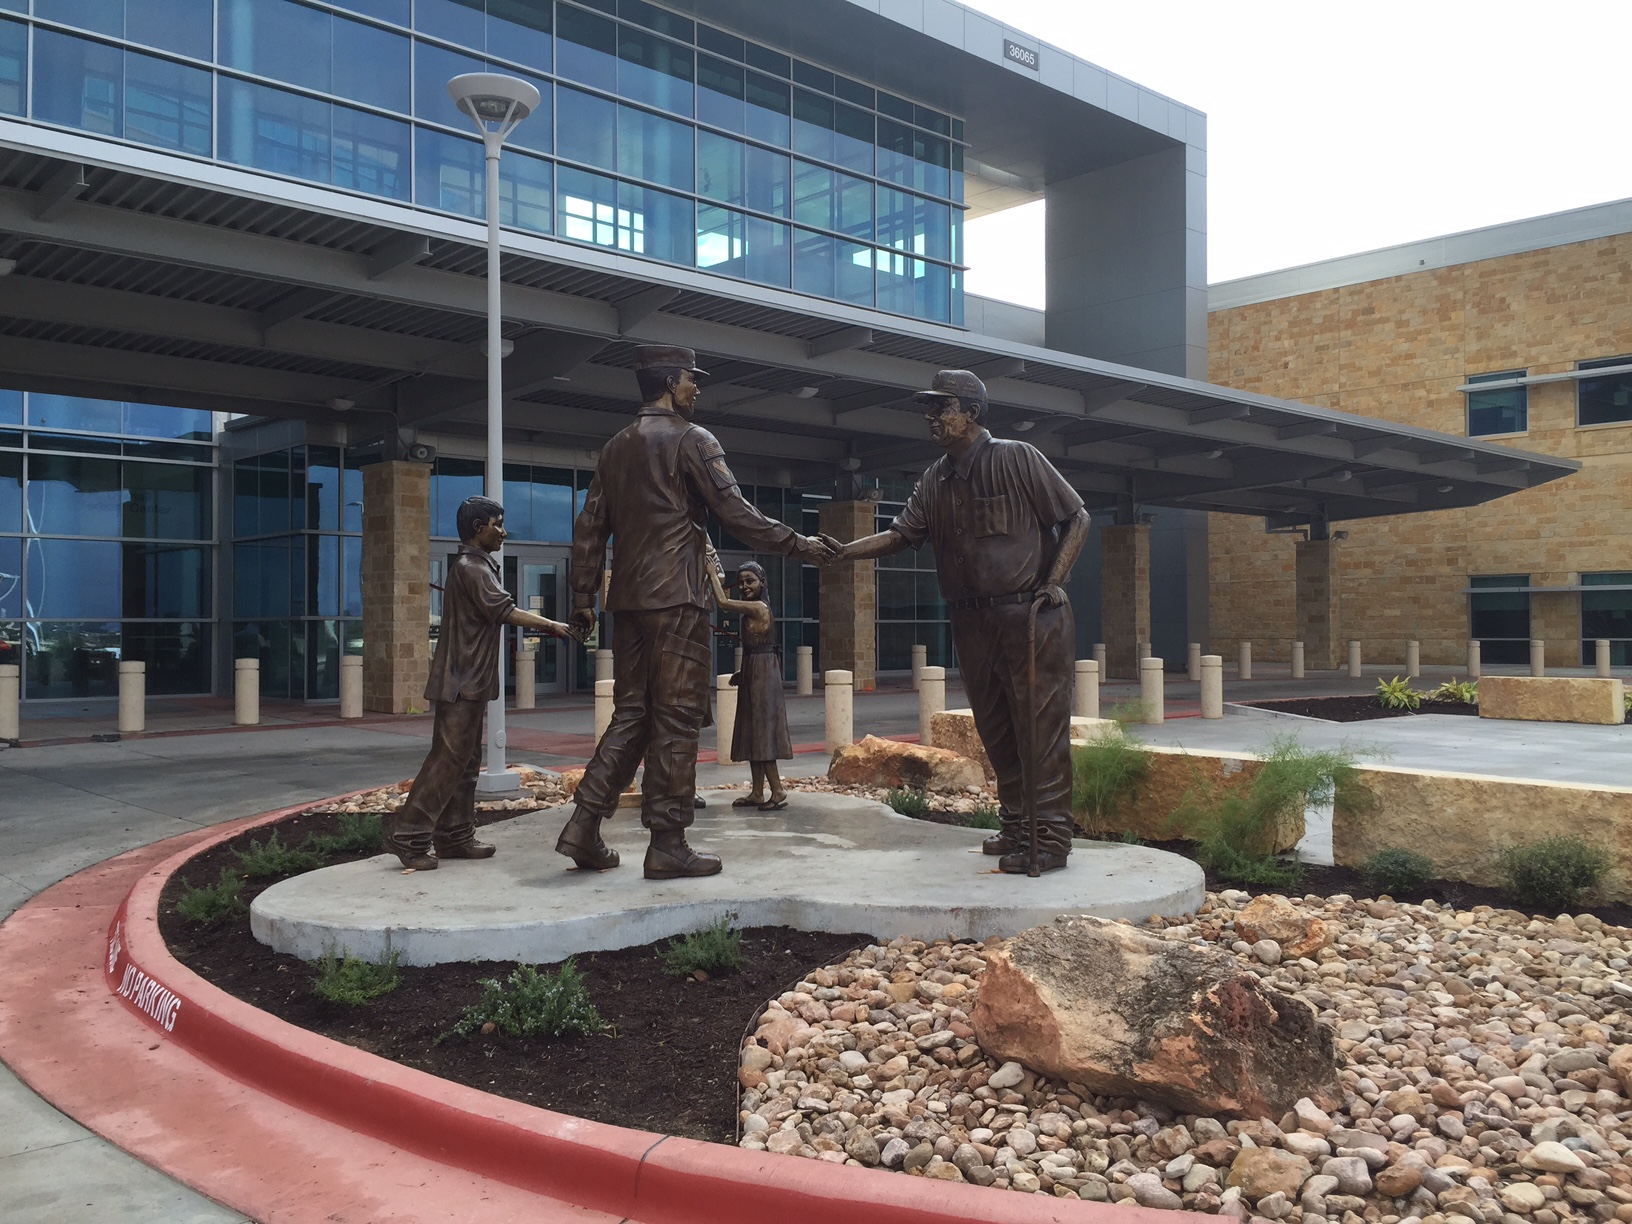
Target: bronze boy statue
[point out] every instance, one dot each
(760, 735)
(440, 814)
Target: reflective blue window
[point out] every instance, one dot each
(655, 71)
(434, 67)
(323, 575)
(160, 421)
(653, 148)
(914, 287)
(11, 407)
(621, 215)
(72, 412)
(101, 89)
(262, 495)
(457, 21)
(914, 159)
(13, 67)
(587, 48)
(735, 172)
(351, 561)
(736, 244)
(162, 581)
(386, 10)
(832, 131)
(520, 30)
(11, 492)
(73, 578)
(322, 488)
(832, 268)
(914, 224)
(177, 655)
(68, 495)
(586, 128)
(166, 501)
(11, 583)
(832, 200)
(661, 20)
(182, 26)
(71, 659)
(351, 509)
(272, 129)
(518, 501)
(266, 578)
(452, 176)
(552, 504)
(318, 50)
(452, 481)
(722, 94)
(769, 102)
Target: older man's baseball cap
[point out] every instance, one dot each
(954, 384)
(668, 357)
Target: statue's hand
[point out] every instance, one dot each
(1053, 596)
(820, 549)
(582, 623)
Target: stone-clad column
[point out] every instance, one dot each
(396, 585)
(1124, 578)
(849, 594)
(1320, 627)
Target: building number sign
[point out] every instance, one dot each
(1026, 57)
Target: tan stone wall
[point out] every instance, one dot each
(1124, 584)
(1572, 699)
(849, 594)
(396, 586)
(1396, 349)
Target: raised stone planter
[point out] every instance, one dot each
(955, 730)
(1572, 699)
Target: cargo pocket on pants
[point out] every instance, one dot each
(683, 673)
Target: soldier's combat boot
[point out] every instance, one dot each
(581, 841)
(670, 858)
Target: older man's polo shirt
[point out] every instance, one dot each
(992, 516)
(465, 666)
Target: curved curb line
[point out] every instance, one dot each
(634, 1174)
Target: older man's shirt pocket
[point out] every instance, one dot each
(990, 516)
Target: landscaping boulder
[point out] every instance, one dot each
(882, 762)
(955, 730)
(1298, 933)
(570, 778)
(1101, 1004)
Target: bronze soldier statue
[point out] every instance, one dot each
(654, 487)
(1006, 529)
(441, 810)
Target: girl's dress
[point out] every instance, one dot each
(761, 731)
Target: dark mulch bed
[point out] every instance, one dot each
(1359, 709)
(671, 1066)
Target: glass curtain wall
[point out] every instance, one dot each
(794, 587)
(658, 135)
(1606, 612)
(911, 611)
(105, 544)
(1499, 617)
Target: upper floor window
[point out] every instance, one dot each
(1605, 400)
(1502, 410)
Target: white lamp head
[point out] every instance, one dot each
(493, 98)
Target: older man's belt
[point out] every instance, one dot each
(975, 602)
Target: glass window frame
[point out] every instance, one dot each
(1589, 386)
(1518, 405)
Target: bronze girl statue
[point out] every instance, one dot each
(760, 736)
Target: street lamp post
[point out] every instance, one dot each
(496, 104)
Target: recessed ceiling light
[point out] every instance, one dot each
(1446, 488)
(1343, 475)
(1022, 426)
(1213, 454)
(7, 266)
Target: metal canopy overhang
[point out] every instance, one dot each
(156, 277)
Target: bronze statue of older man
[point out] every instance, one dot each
(1006, 529)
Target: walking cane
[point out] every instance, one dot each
(1032, 868)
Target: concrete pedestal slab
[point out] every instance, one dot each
(827, 863)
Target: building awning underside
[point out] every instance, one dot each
(133, 286)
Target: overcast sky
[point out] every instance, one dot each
(1336, 128)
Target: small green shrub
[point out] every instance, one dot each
(1128, 713)
(273, 858)
(1397, 694)
(354, 982)
(908, 801)
(533, 1004)
(360, 833)
(714, 949)
(1106, 774)
(1550, 875)
(1465, 692)
(1397, 871)
(985, 816)
(213, 903)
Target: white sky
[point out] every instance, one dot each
(1336, 128)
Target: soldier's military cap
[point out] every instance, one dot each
(665, 356)
(954, 384)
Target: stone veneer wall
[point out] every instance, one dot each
(396, 586)
(849, 594)
(1396, 349)
(1124, 584)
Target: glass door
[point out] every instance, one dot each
(537, 578)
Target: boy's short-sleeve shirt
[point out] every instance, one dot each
(474, 606)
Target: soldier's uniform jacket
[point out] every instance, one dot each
(653, 488)
(474, 605)
(992, 516)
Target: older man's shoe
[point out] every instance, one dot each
(471, 849)
(1019, 863)
(412, 857)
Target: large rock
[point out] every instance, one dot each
(955, 730)
(1101, 1004)
(882, 762)
(1575, 699)
(1298, 934)
(570, 778)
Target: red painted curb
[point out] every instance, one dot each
(634, 1174)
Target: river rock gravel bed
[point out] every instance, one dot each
(541, 788)
(963, 804)
(1483, 1059)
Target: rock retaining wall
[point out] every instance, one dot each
(1573, 699)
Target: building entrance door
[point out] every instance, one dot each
(537, 578)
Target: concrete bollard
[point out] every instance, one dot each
(1151, 691)
(1538, 657)
(1099, 657)
(246, 692)
(1297, 660)
(351, 686)
(1354, 660)
(931, 701)
(526, 679)
(1473, 658)
(11, 695)
(1601, 657)
(603, 665)
(1192, 663)
(839, 691)
(920, 660)
(1212, 686)
(1244, 661)
(804, 670)
(1413, 660)
(603, 707)
(725, 717)
(1087, 695)
(132, 696)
